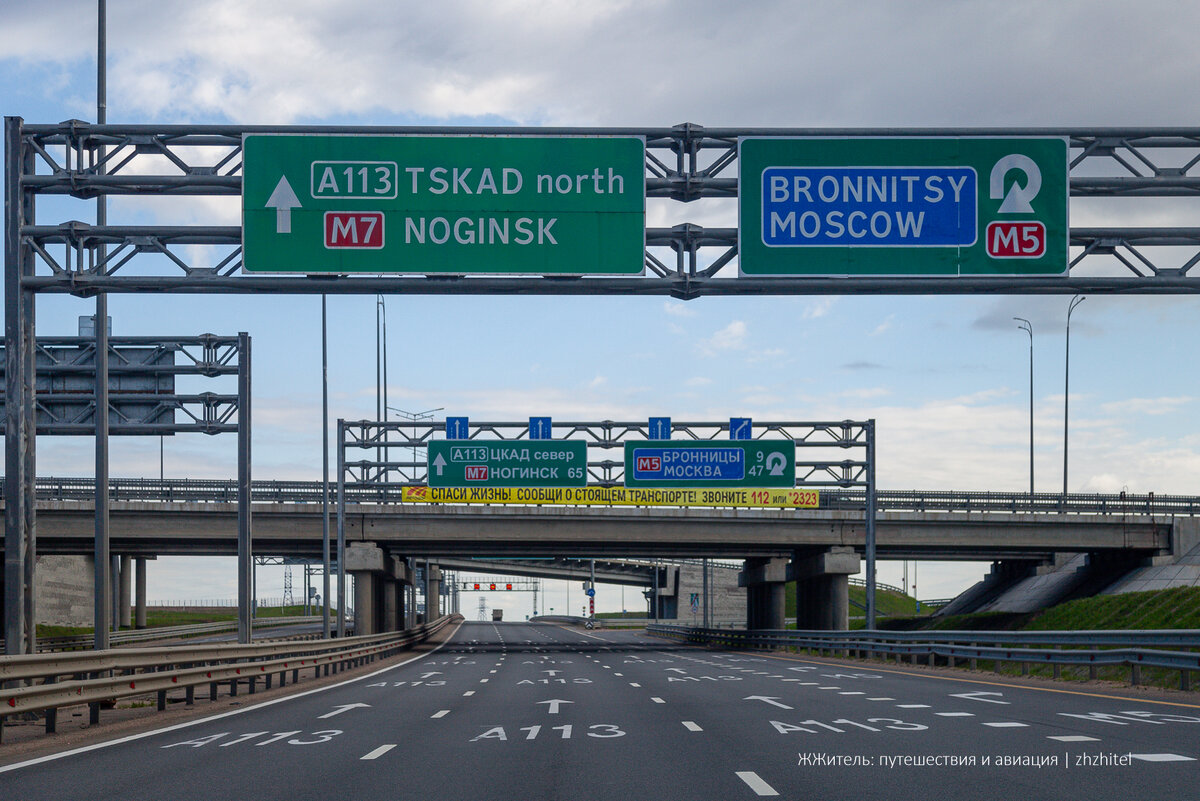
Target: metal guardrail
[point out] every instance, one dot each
(225, 491)
(879, 585)
(78, 641)
(45, 682)
(1090, 648)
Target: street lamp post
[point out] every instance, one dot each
(1028, 326)
(415, 416)
(1075, 301)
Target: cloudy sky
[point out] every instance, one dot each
(945, 377)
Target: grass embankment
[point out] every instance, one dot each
(1176, 608)
(157, 617)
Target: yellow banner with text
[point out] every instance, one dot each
(617, 496)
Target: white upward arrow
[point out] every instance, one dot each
(337, 710)
(439, 463)
(770, 700)
(283, 200)
(555, 703)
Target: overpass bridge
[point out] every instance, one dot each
(817, 548)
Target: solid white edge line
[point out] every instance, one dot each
(378, 752)
(755, 782)
(190, 723)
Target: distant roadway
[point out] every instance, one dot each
(516, 711)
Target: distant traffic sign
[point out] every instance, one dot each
(476, 463)
(710, 463)
(444, 204)
(903, 206)
(457, 427)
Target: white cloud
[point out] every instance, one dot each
(678, 308)
(817, 309)
(731, 337)
(1151, 406)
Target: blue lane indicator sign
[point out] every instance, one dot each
(689, 464)
(456, 428)
(869, 206)
(660, 428)
(539, 428)
(740, 427)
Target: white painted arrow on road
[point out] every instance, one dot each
(555, 703)
(283, 200)
(337, 710)
(675, 670)
(977, 697)
(439, 463)
(773, 701)
(552, 672)
(431, 673)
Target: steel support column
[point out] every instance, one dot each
(245, 544)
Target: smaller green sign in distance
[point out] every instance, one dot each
(503, 205)
(903, 206)
(518, 463)
(709, 463)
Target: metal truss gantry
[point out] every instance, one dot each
(683, 163)
(376, 469)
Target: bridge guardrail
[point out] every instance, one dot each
(276, 491)
(1091, 648)
(78, 641)
(97, 676)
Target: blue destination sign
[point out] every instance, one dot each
(869, 206)
(689, 464)
(707, 463)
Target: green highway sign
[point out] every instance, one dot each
(903, 207)
(513, 463)
(506, 205)
(710, 463)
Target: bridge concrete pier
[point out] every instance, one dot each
(433, 592)
(368, 565)
(126, 616)
(139, 595)
(823, 588)
(765, 580)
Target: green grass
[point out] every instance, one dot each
(157, 617)
(1176, 608)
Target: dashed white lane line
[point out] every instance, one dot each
(483, 681)
(881, 699)
(955, 714)
(468, 693)
(850, 692)
(912, 706)
(1073, 738)
(441, 713)
(1163, 757)
(491, 671)
(691, 725)
(634, 684)
(657, 700)
(378, 752)
(756, 783)
(809, 683)
(1007, 724)
(829, 688)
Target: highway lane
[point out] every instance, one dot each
(511, 711)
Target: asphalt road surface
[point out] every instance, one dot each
(514, 711)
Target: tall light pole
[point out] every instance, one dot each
(415, 417)
(1028, 326)
(1075, 301)
(380, 370)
